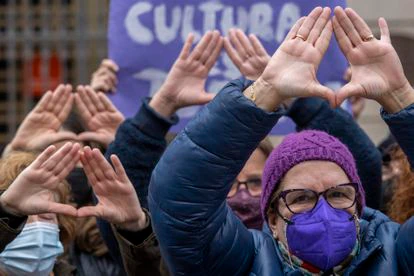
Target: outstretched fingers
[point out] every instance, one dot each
(360, 25)
(319, 27)
(51, 162)
(44, 102)
(232, 52)
(385, 31)
(214, 55)
(94, 98)
(348, 26)
(43, 157)
(323, 41)
(201, 46)
(211, 47)
(294, 30)
(119, 169)
(185, 51)
(343, 40)
(257, 46)
(309, 22)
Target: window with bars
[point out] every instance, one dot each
(44, 43)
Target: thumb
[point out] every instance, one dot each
(347, 91)
(324, 92)
(90, 211)
(206, 97)
(64, 209)
(58, 137)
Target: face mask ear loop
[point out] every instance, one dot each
(358, 230)
(287, 243)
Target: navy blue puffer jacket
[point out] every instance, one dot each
(197, 231)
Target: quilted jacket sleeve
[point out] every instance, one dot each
(401, 125)
(315, 113)
(197, 232)
(405, 247)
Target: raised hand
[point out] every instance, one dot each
(118, 201)
(41, 126)
(185, 83)
(247, 53)
(32, 192)
(377, 72)
(291, 71)
(100, 116)
(104, 79)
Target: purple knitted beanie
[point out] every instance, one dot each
(306, 146)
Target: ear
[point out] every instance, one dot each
(272, 222)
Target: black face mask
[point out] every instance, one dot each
(81, 190)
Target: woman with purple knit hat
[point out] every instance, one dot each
(313, 202)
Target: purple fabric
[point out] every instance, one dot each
(145, 37)
(323, 237)
(247, 209)
(306, 146)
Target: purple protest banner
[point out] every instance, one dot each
(145, 38)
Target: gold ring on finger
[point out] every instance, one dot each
(300, 36)
(368, 38)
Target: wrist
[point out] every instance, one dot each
(135, 225)
(398, 99)
(264, 95)
(6, 208)
(162, 105)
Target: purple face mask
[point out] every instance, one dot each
(247, 209)
(323, 237)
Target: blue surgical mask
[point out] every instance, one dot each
(34, 251)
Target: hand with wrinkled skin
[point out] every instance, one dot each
(100, 116)
(291, 71)
(247, 53)
(377, 72)
(104, 79)
(118, 201)
(41, 127)
(185, 83)
(32, 192)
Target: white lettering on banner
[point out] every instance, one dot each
(164, 33)
(170, 23)
(257, 20)
(289, 14)
(188, 22)
(136, 31)
(261, 16)
(210, 9)
(227, 21)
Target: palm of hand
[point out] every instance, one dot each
(36, 186)
(186, 77)
(35, 132)
(292, 70)
(370, 65)
(116, 203)
(105, 122)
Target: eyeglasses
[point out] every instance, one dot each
(254, 187)
(300, 201)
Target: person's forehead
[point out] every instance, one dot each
(315, 175)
